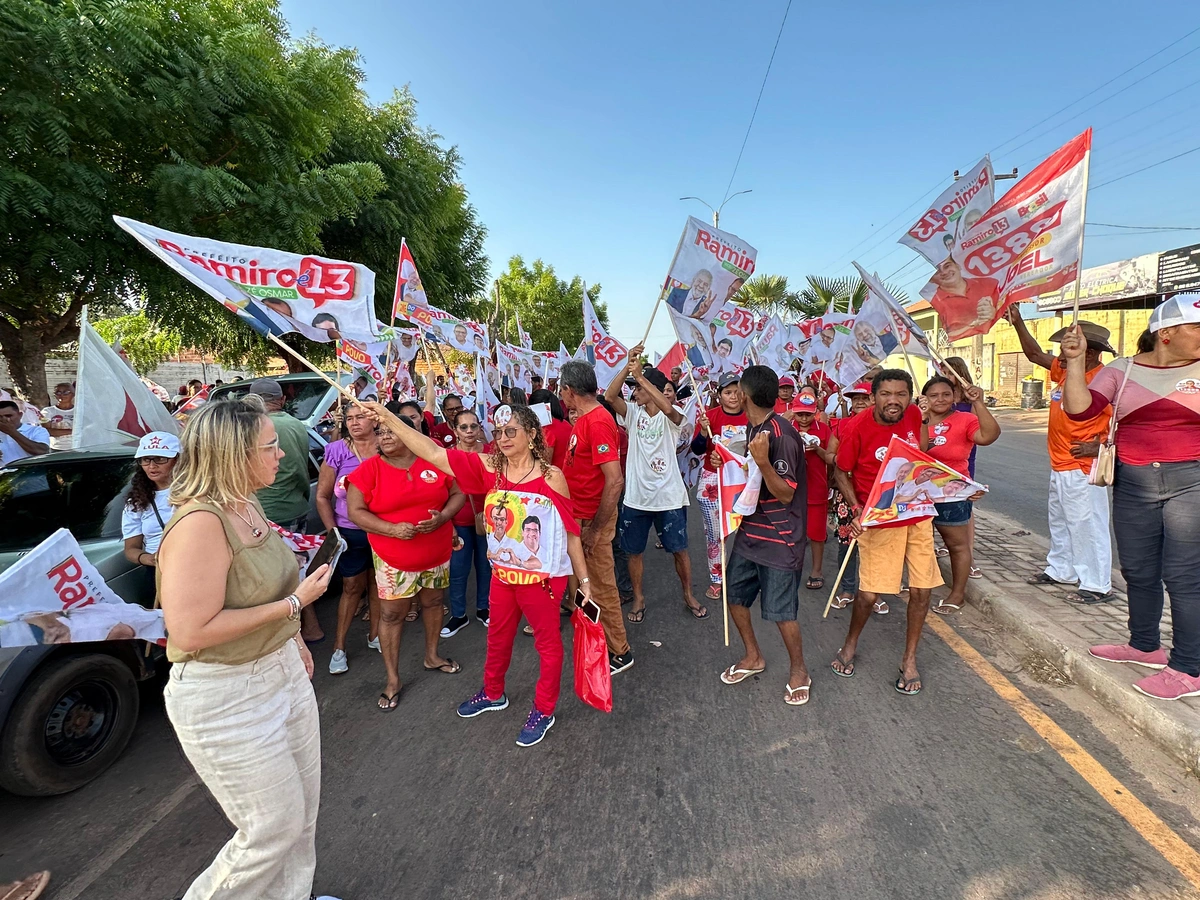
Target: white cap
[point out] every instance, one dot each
(158, 443)
(1179, 310)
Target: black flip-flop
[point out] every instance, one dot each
(815, 583)
(392, 702)
(698, 612)
(635, 616)
(449, 667)
(847, 666)
(903, 684)
(1089, 598)
(1043, 578)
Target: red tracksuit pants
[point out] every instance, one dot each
(539, 604)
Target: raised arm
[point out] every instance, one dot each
(1029, 346)
(657, 399)
(424, 447)
(1077, 398)
(989, 428)
(612, 393)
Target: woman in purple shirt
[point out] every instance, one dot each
(358, 442)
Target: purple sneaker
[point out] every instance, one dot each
(535, 728)
(1123, 653)
(1169, 684)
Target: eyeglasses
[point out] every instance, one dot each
(509, 433)
(273, 444)
(469, 426)
(60, 392)
(145, 461)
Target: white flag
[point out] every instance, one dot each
(956, 210)
(53, 595)
(608, 354)
(112, 406)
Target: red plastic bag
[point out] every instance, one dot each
(593, 678)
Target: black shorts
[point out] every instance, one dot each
(745, 580)
(356, 558)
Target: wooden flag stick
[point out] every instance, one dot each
(348, 394)
(724, 594)
(837, 582)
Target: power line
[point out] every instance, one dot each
(754, 113)
(1143, 169)
(937, 186)
(1148, 227)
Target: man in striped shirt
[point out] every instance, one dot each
(768, 552)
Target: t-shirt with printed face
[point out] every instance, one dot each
(406, 495)
(952, 440)
(594, 441)
(774, 534)
(652, 479)
(864, 446)
(59, 418)
(729, 429)
(817, 477)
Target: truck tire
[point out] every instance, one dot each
(73, 718)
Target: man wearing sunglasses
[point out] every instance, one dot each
(60, 418)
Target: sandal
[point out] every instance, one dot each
(975, 572)
(847, 670)
(698, 612)
(942, 551)
(27, 888)
(734, 675)
(1043, 578)
(386, 703)
(904, 685)
(946, 608)
(841, 602)
(636, 615)
(797, 696)
(815, 582)
(411, 615)
(1089, 598)
(449, 667)
(713, 592)
(881, 607)
(528, 629)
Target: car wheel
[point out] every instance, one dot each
(73, 719)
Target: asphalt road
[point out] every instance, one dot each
(689, 789)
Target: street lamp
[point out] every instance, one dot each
(717, 212)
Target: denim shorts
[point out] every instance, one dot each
(745, 580)
(671, 525)
(957, 512)
(357, 555)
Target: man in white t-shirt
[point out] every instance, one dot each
(654, 489)
(18, 441)
(60, 418)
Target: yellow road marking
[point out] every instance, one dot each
(1174, 849)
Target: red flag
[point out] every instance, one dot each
(909, 483)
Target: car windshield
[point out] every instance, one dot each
(83, 495)
(300, 398)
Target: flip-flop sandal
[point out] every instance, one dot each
(1089, 598)
(841, 602)
(942, 551)
(847, 670)
(797, 696)
(904, 685)
(881, 608)
(815, 583)
(27, 888)
(386, 703)
(1043, 578)
(713, 592)
(946, 608)
(975, 572)
(734, 675)
(449, 667)
(636, 615)
(528, 629)
(411, 615)
(698, 612)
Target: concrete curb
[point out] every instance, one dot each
(1107, 682)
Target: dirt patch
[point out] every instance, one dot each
(1043, 671)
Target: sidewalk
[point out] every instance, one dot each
(1062, 632)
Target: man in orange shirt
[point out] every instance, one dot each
(1080, 547)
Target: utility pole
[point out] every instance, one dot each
(1000, 177)
(716, 213)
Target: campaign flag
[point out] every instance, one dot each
(112, 406)
(910, 482)
(461, 334)
(366, 359)
(1028, 243)
(486, 396)
(409, 290)
(607, 354)
(272, 291)
(304, 546)
(773, 345)
(732, 333)
(695, 337)
(732, 479)
(911, 336)
(523, 337)
(513, 366)
(818, 356)
(709, 267)
(955, 212)
(53, 595)
(193, 403)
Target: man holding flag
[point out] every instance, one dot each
(885, 548)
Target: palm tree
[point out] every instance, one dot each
(770, 295)
(845, 294)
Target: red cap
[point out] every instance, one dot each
(863, 387)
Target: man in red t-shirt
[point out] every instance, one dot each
(786, 405)
(594, 475)
(884, 550)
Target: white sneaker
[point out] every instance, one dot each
(337, 663)
(374, 644)
(325, 897)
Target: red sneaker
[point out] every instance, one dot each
(1169, 684)
(1123, 653)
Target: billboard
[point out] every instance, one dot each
(1179, 270)
(1121, 280)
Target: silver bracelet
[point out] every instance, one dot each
(294, 603)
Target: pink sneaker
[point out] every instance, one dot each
(1123, 653)
(1169, 684)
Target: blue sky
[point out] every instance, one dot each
(581, 125)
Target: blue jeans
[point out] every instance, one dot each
(1156, 516)
(849, 583)
(474, 548)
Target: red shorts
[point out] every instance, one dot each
(818, 521)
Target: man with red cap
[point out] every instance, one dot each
(786, 405)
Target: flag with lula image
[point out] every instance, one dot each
(112, 405)
(272, 291)
(909, 483)
(708, 268)
(409, 290)
(733, 479)
(911, 336)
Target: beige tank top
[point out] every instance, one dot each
(259, 573)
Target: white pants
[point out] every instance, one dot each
(1080, 544)
(253, 735)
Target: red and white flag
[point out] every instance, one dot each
(607, 354)
(908, 485)
(733, 478)
(1028, 243)
(409, 290)
(112, 406)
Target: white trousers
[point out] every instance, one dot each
(1080, 543)
(254, 737)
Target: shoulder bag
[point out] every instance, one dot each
(1104, 469)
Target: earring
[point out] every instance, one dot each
(1166, 340)
(531, 445)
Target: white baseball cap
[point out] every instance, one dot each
(158, 443)
(1181, 309)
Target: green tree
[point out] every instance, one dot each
(845, 294)
(771, 295)
(551, 309)
(200, 116)
(145, 343)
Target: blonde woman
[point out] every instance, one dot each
(239, 696)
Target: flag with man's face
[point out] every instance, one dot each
(910, 482)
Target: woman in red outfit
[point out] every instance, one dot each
(726, 423)
(406, 506)
(533, 545)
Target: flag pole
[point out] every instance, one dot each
(395, 297)
(903, 346)
(837, 582)
(81, 395)
(1087, 168)
(724, 594)
(349, 395)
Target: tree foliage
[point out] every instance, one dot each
(145, 343)
(201, 116)
(551, 309)
(771, 295)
